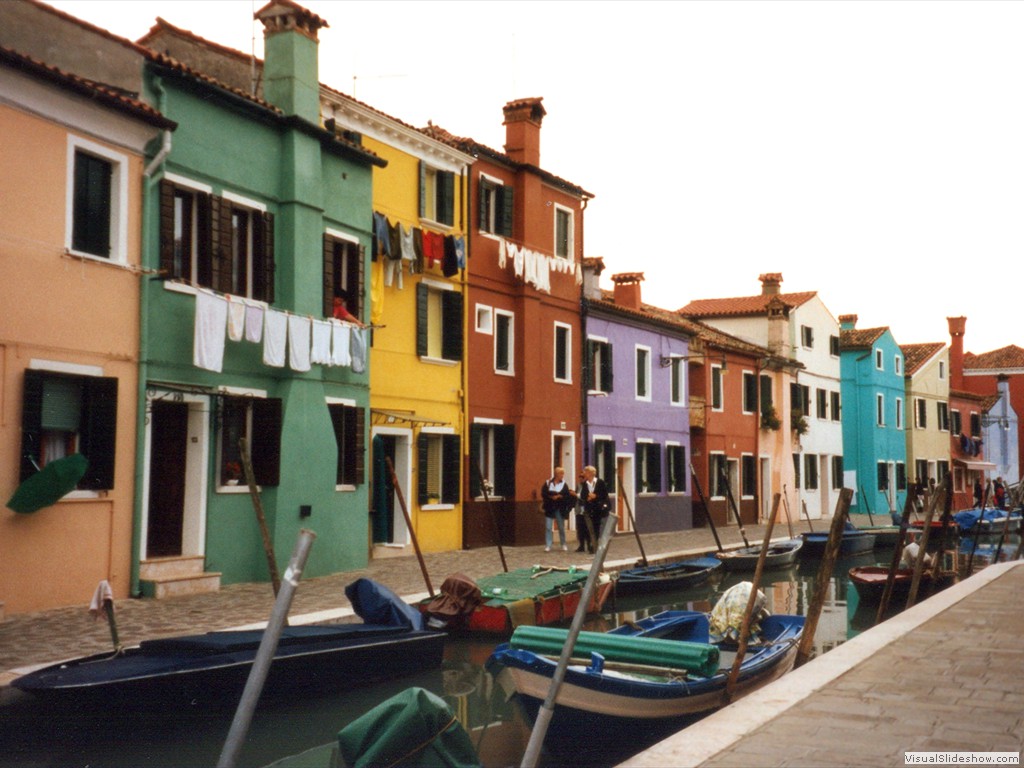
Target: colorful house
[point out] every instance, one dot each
(966, 411)
(523, 332)
(874, 418)
(637, 414)
(75, 151)
(926, 375)
(1001, 373)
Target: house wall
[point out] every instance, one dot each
(986, 384)
(929, 443)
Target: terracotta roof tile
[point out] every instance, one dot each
(916, 355)
(743, 305)
(86, 25)
(860, 338)
(1010, 356)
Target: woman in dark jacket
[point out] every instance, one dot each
(558, 499)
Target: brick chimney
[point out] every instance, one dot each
(957, 327)
(847, 322)
(593, 266)
(627, 289)
(291, 71)
(778, 324)
(771, 283)
(522, 129)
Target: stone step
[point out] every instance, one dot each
(176, 586)
(166, 567)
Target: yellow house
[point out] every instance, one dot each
(73, 163)
(926, 372)
(419, 317)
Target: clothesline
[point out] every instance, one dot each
(533, 267)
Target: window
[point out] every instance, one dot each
(643, 373)
(437, 195)
(921, 470)
(833, 346)
(677, 468)
(604, 462)
(822, 397)
(64, 414)
(796, 470)
(564, 234)
(439, 459)
(837, 473)
(920, 412)
(941, 470)
(883, 476)
(495, 205)
(225, 243)
(438, 323)
(899, 413)
(504, 342)
(348, 422)
(748, 473)
(598, 372)
(975, 424)
(807, 336)
(897, 365)
(259, 421)
(811, 471)
(648, 467)
(955, 422)
(901, 476)
(343, 274)
(800, 399)
(942, 370)
(880, 410)
(563, 353)
(879, 361)
(96, 222)
(677, 370)
(749, 392)
(718, 469)
(943, 420)
(484, 319)
(492, 455)
(717, 396)
(837, 408)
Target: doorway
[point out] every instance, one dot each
(624, 492)
(387, 519)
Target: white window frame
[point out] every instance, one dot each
(942, 370)
(677, 372)
(571, 244)
(899, 413)
(484, 319)
(567, 379)
(721, 388)
(879, 410)
(490, 184)
(439, 432)
(118, 202)
(642, 349)
(757, 392)
(897, 364)
(348, 403)
(510, 352)
(879, 360)
(806, 337)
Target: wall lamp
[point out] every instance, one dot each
(667, 360)
(1002, 421)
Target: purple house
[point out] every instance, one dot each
(636, 416)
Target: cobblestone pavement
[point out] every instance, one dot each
(48, 636)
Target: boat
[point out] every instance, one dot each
(664, 577)
(780, 554)
(869, 581)
(646, 679)
(212, 668)
(498, 604)
(885, 535)
(854, 542)
(989, 520)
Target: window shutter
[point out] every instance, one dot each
(359, 289)
(265, 440)
(31, 422)
(606, 369)
(654, 468)
(475, 434)
(205, 239)
(220, 255)
(505, 461)
(588, 365)
(423, 189)
(451, 316)
(360, 445)
(99, 432)
(328, 276)
(263, 257)
(421, 319)
(481, 205)
(611, 477)
(503, 214)
(90, 228)
(446, 197)
(422, 461)
(167, 229)
(451, 455)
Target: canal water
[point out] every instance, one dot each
(34, 734)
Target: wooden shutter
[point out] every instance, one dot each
(504, 206)
(360, 445)
(451, 455)
(475, 434)
(654, 468)
(167, 229)
(328, 276)
(205, 245)
(505, 460)
(446, 197)
(358, 292)
(422, 454)
(422, 294)
(451, 317)
(31, 422)
(263, 256)
(482, 191)
(423, 189)
(99, 432)
(265, 440)
(606, 368)
(588, 364)
(220, 250)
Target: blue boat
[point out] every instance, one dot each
(666, 577)
(646, 679)
(854, 542)
(988, 520)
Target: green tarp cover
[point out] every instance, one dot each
(696, 658)
(520, 584)
(412, 728)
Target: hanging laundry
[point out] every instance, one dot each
(408, 244)
(253, 323)
(433, 247)
(236, 319)
(417, 244)
(299, 330)
(358, 348)
(381, 235)
(450, 260)
(395, 240)
(341, 344)
(376, 293)
(393, 267)
(460, 251)
(275, 337)
(209, 334)
(321, 349)
(502, 254)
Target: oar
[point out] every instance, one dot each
(257, 504)
(789, 519)
(632, 521)
(867, 506)
(824, 577)
(547, 709)
(785, 501)
(408, 523)
(704, 506)
(897, 555)
(494, 518)
(732, 504)
(741, 651)
(929, 513)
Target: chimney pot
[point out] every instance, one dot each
(770, 283)
(627, 289)
(523, 118)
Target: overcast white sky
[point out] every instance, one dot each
(871, 151)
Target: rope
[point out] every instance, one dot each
(425, 744)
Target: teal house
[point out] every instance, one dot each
(255, 212)
(874, 418)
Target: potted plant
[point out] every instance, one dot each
(799, 423)
(232, 472)
(770, 418)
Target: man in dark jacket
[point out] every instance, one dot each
(596, 505)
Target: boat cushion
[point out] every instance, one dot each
(697, 658)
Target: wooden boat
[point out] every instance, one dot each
(869, 581)
(212, 668)
(666, 576)
(885, 535)
(854, 542)
(526, 596)
(647, 679)
(989, 520)
(780, 554)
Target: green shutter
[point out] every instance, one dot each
(451, 316)
(423, 189)
(265, 440)
(451, 458)
(167, 229)
(481, 205)
(205, 239)
(422, 460)
(476, 432)
(360, 445)
(263, 256)
(31, 422)
(422, 294)
(99, 432)
(607, 380)
(503, 215)
(328, 276)
(505, 461)
(446, 197)
(654, 468)
(91, 212)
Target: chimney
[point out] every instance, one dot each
(291, 71)
(847, 322)
(522, 130)
(777, 324)
(770, 283)
(593, 266)
(627, 289)
(957, 327)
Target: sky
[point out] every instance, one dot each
(870, 151)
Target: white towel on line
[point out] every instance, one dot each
(321, 350)
(209, 334)
(253, 323)
(236, 319)
(275, 337)
(299, 329)
(341, 353)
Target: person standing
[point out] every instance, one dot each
(999, 491)
(557, 499)
(596, 505)
(977, 494)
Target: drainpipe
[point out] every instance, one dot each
(584, 413)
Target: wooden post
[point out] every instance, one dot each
(785, 502)
(947, 524)
(632, 520)
(257, 503)
(704, 502)
(867, 506)
(897, 555)
(977, 533)
(789, 520)
(408, 522)
(732, 504)
(821, 582)
(494, 518)
(929, 513)
(741, 651)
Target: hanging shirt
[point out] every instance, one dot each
(341, 344)
(358, 348)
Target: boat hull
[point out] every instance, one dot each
(869, 581)
(666, 577)
(853, 543)
(779, 556)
